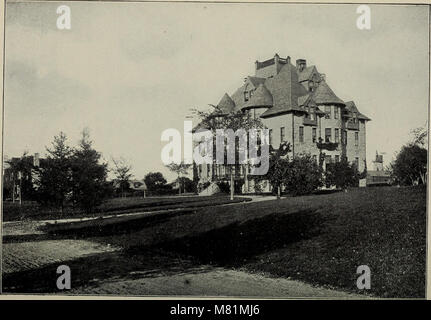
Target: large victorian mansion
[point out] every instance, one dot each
(297, 106)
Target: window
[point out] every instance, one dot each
(355, 117)
(356, 139)
(310, 85)
(337, 136)
(282, 134)
(337, 158)
(344, 137)
(356, 163)
(270, 137)
(327, 112)
(335, 112)
(245, 96)
(313, 134)
(328, 135)
(301, 134)
(312, 114)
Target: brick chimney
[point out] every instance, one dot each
(301, 64)
(276, 61)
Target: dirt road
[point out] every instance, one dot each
(213, 283)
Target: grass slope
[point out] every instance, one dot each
(323, 239)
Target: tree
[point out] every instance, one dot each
(179, 169)
(302, 175)
(155, 181)
(410, 165)
(122, 173)
(54, 183)
(88, 175)
(420, 136)
(342, 174)
(216, 119)
(278, 164)
(20, 173)
(188, 184)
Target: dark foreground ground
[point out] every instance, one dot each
(319, 240)
(32, 211)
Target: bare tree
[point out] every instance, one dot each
(179, 169)
(122, 172)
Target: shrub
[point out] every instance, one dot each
(342, 174)
(302, 175)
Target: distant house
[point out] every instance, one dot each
(378, 176)
(19, 176)
(135, 186)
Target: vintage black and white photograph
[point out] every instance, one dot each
(204, 149)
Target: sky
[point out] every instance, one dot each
(128, 71)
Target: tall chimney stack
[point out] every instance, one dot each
(301, 64)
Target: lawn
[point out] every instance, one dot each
(323, 239)
(32, 211)
(318, 239)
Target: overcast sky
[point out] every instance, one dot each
(127, 71)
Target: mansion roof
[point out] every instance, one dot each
(282, 87)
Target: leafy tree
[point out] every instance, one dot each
(20, 172)
(122, 173)
(179, 169)
(278, 164)
(410, 165)
(88, 175)
(216, 119)
(54, 183)
(188, 184)
(342, 174)
(302, 175)
(420, 136)
(155, 181)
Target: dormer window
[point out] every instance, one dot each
(355, 117)
(312, 113)
(245, 95)
(311, 85)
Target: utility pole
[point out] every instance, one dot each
(232, 185)
(20, 187)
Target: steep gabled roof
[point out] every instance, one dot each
(225, 106)
(324, 95)
(351, 108)
(306, 73)
(238, 98)
(285, 90)
(256, 81)
(260, 98)
(302, 100)
(307, 100)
